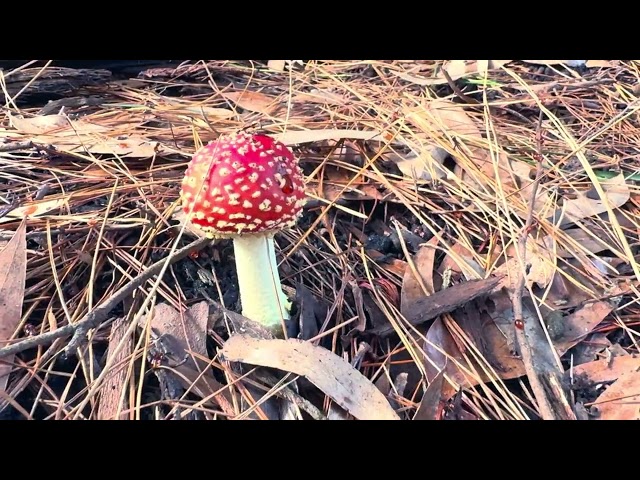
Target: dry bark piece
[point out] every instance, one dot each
(115, 382)
(330, 373)
(13, 271)
(444, 301)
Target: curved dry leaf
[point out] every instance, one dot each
(460, 259)
(599, 63)
(617, 194)
(204, 111)
(276, 65)
(452, 117)
(34, 209)
(132, 146)
(13, 271)
(55, 125)
(621, 401)
(456, 69)
(423, 261)
(253, 101)
(540, 257)
(319, 96)
(443, 354)
(607, 370)
(432, 403)
(330, 373)
(579, 324)
(423, 167)
(41, 124)
(588, 241)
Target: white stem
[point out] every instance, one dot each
(261, 294)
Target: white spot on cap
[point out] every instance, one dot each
(265, 206)
(247, 204)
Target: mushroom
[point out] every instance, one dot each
(247, 188)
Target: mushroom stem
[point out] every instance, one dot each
(262, 298)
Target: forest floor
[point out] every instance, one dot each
(468, 249)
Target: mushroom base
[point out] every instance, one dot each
(261, 294)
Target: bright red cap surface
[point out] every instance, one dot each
(243, 184)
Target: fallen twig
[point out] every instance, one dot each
(96, 316)
(15, 146)
(536, 369)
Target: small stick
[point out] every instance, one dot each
(96, 316)
(15, 146)
(545, 405)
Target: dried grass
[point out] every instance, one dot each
(113, 211)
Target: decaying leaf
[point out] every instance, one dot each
(432, 401)
(456, 69)
(540, 267)
(41, 124)
(460, 260)
(621, 401)
(414, 288)
(599, 63)
(426, 166)
(492, 331)
(34, 209)
(123, 146)
(579, 324)
(450, 118)
(277, 65)
(182, 337)
(586, 240)
(606, 370)
(589, 204)
(330, 373)
(82, 136)
(252, 101)
(13, 266)
(320, 96)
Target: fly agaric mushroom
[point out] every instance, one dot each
(247, 188)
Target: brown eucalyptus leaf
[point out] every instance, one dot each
(13, 266)
(332, 374)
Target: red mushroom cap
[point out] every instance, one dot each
(242, 184)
